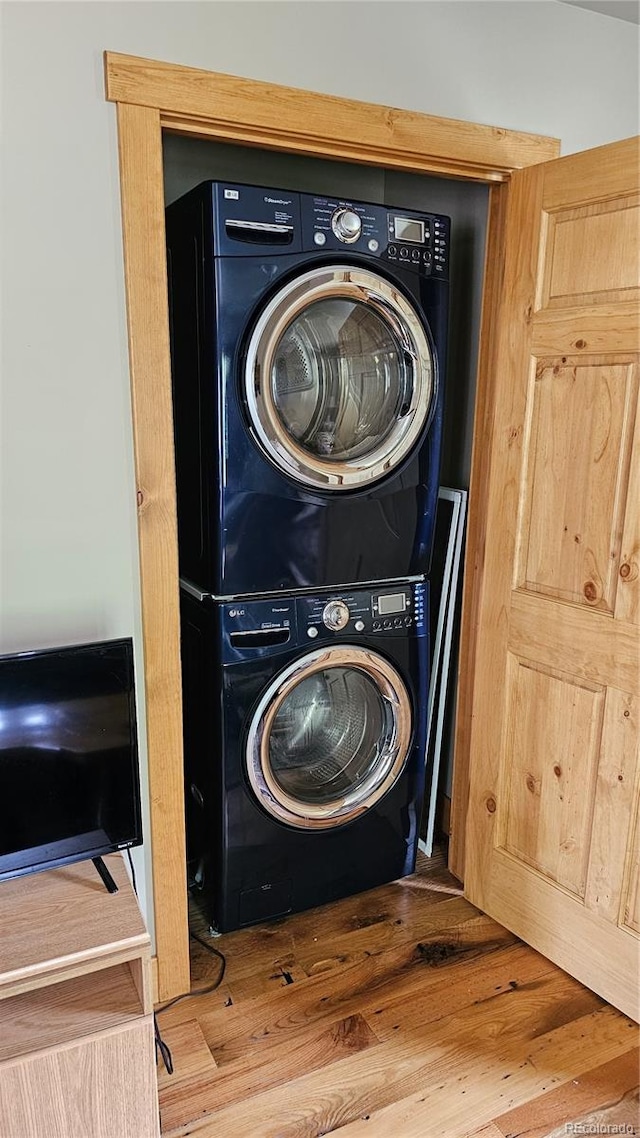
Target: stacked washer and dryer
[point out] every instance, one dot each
(308, 343)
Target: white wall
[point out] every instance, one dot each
(69, 555)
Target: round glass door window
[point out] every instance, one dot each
(339, 378)
(329, 738)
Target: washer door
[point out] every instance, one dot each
(329, 737)
(339, 378)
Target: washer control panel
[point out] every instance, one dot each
(266, 627)
(382, 612)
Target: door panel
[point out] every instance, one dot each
(552, 836)
(548, 809)
(614, 800)
(576, 479)
(572, 275)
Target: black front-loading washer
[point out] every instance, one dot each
(304, 746)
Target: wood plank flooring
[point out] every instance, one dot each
(400, 1013)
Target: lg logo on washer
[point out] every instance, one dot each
(237, 612)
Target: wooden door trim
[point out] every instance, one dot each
(476, 527)
(151, 96)
(286, 118)
(142, 196)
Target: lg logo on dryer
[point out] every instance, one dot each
(237, 612)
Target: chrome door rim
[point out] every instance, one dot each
(355, 284)
(347, 806)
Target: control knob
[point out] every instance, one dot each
(346, 225)
(335, 615)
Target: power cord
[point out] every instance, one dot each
(199, 991)
(161, 1046)
(214, 952)
(133, 872)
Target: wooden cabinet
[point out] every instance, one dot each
(77, 1052)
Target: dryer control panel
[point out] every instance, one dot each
(250, 218)
(419, 241)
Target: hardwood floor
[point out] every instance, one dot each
(400, 1013)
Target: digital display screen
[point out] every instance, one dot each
(393, 602)
(408, 229)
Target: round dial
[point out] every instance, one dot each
(335, 615)
(346, 225)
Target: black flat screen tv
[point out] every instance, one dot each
(69, 776)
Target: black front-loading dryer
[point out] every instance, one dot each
(308, 340)
(304, 746)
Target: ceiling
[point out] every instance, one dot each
(628, 10)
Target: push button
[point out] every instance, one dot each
(312, 632)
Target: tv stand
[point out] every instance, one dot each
(77, 1046)
(106, 877)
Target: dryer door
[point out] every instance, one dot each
(329, 737)
(339, 378)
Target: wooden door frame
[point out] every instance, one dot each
(152, 97)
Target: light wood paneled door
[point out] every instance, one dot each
(553, 829)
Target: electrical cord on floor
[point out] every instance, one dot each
(162, 1047)
(213, 951)
(199, 991)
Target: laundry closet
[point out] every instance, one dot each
(545, 823)
(305, 776)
